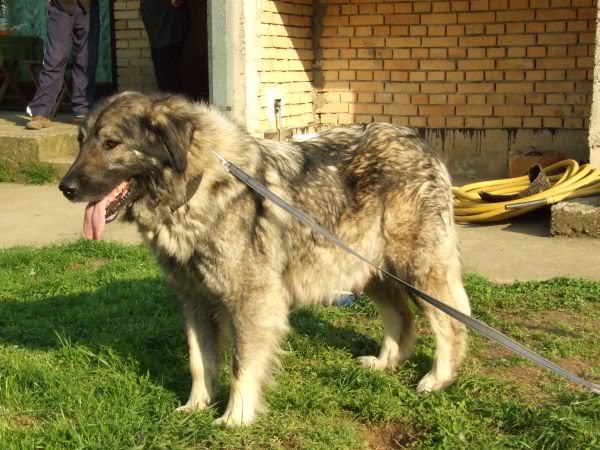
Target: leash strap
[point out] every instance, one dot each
(454, 313)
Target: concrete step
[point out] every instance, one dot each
(577, 217)
(56, 145)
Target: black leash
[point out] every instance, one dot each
(454, 313)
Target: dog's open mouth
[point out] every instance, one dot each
(105, 210)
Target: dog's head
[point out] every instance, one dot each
(127, 146)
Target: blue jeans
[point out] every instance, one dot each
(77, 35)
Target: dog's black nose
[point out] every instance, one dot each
(69, 187)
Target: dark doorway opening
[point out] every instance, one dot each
(193, 67)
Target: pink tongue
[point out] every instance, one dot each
(94, 219)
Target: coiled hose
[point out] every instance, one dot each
(567, 180)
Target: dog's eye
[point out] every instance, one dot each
(110, 144)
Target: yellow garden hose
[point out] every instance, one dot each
(568, 180)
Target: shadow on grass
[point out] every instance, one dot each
(139, 319)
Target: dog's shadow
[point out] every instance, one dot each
(139, 319)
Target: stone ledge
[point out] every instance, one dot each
(56, 145)
(577, 217)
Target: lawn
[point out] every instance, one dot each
(92, 355)
(31, 173)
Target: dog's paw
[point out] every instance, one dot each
(230, 419)
(370, 362)
(432, 383)
(195, 403)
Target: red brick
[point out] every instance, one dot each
(446, 41)
(556, 14)
(517, 52)
(439, 99)
(437, 110)
(477, 41)
(468, 88)
(517, 39)
(399, 30)
(448, 18)
(514, 64)
(514, 88)
(474, 110)
(455, 122)
(515, 16)
(512, 110)
(438, 88)
(476, 17)
(474, 64)
(437, 64)
(400, 64)
(403, 19)
(403, 42)
(400, 109)
(474, 122)
(557, 39)
(555, 86)
(555, 63)
(436, 76)
(366, 20)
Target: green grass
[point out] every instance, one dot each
(92, 355)
(30, 173)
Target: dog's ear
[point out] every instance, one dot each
(174, 131)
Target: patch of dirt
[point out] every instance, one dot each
(90, 264)
(530, 380)
(22, 422)
(558, 323)
(392, 435)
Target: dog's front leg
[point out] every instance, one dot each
(259, 323)
(202, 337)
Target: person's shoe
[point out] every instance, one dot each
(77, 120)
(37, 123)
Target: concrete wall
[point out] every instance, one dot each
(486, 153)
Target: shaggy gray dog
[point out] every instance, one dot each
(238, 262)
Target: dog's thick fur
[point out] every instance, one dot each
(238, 262)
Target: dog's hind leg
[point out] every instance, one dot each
(398, 330)
(202, 337)
(444, 283)
(259, 322)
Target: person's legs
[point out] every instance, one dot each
(56, 55)
(166, 62)
(86, 42)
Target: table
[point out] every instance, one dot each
(16, 50)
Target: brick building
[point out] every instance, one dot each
(483, 79)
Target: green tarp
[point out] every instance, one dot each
(28, 18)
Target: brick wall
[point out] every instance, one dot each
(134, 64)
(285, 63)
(457, 64)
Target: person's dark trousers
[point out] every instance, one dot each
(76, 35)
(166, 65)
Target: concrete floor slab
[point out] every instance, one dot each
(524, 250)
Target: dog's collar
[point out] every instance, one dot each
(191, 188)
